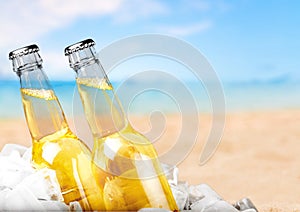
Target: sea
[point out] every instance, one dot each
(142, 97)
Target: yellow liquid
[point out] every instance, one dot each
(134, 178)
(61, 150)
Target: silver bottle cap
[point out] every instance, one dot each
(25, 58)
(79, 46)
(23, 51)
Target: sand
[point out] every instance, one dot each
(258, 157)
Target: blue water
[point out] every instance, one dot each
(167, 97)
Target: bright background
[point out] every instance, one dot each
(245, 40)
(253, 45)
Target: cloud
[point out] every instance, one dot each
(22, 21)
(133, 10)
(25, 21)
(186, 30)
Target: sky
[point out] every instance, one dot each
(244, 40)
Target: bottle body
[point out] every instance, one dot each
(134, 178)
(54, 145)
(61, 151)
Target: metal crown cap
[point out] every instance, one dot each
(23, 51)
(79, 46)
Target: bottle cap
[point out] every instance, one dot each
(23, 51)
(79, 46)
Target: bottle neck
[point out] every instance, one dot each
(42, 109)
(34, 78)
(102, 107)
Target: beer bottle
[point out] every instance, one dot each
(134, 178)
(53, 144)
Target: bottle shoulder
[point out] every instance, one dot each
(126, 143)
(130, 135)
(60, 147)
(66, 140)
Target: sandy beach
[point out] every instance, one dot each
(258, 156)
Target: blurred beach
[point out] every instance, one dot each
(253, 46)
(258, 156)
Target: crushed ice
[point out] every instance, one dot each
(25, 188)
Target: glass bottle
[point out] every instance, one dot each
(53, 144)
(134, 178)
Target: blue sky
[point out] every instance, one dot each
(244, 40)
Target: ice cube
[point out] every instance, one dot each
(43, 184)
(171, 173)
(209, 197)
(20, 199)
(207, 191)
(244, 204)
(9, 178)
(180, 193)
(195, 194)
(12, 173)
(75, 206)
(3, 187)
(13, 162)
(13, 169)
(10, 149)
(179, 189)
(27, 156)
(219, 206)
(54, 206)
(3, 193)
(250, 210)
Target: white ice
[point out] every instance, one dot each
(24, 188)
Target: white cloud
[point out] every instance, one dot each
(21, 21)
(186, 30)
(25, 21)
